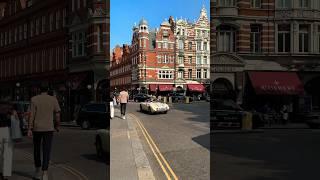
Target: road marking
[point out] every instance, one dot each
(154, 146)
(71, 170)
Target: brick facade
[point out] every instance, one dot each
(24, 58)
(263, 36)
(165, 55)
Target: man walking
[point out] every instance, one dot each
(41, 127)
(123, 99)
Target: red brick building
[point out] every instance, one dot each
(62, 43)
(25, 60)
(254, 36)
(120, 68)
(88, 30)
(161, 58)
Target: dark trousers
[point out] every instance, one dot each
(123, 107)
(44, 139)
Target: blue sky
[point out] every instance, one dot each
(124, 13)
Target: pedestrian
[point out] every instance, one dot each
(123, 99)
(41, 127)
(6, 143)
(113, 103)
(16, 133)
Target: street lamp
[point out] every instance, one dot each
(17, 92)
(89, 86)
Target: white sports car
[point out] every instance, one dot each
(154, 107)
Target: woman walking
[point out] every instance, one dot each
(9, 132)
(113, 103)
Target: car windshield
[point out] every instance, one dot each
(226, 105)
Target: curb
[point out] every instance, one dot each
(143, 166)
(237, 131)
(69, 124)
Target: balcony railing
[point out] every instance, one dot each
(297, 13)
(227, 11)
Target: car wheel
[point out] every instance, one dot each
(150, 112)
(165, 112)
(99, 149)
(85, 125)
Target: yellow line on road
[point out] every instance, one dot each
(154, 153)
(71, 170)
(148, 137)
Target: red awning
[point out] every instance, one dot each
(196, 87)
(277, 83)
(153, 87)
(165, 87)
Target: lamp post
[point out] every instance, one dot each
(89, 86)
(17, 92)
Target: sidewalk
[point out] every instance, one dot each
(23, 168)
(69, 124)
(128, 159)
(287, 126)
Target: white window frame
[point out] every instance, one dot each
(283, 33)
(255, 3)
(180, 74)
(227, 3)
(198, 73)
(189, 74)
(305, 4)
(255, 38)
(283, 4)
(304, 34)
(180, 43)
(204, 73)
(198, 59)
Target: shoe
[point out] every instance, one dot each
(37, 174)
(45, 176)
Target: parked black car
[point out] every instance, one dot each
(226, 114)
(176, 97)
(141, 97)
(94, 115)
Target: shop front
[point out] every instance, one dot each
(273, 91)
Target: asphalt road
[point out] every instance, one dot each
(182, 136)
(276, 154)
(73, 147)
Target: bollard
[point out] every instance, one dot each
(187, 100)
(247, 121)
(170, 100)
(164, 99)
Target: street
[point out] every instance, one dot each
(182, 137)
(73, 151)
(275, 154)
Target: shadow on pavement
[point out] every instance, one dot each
(94, 157)
(203, 140)
(22, 174)
(272, 156)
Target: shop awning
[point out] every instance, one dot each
(165, 87)
(276, 83)
(153, 87)
(196, 87)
